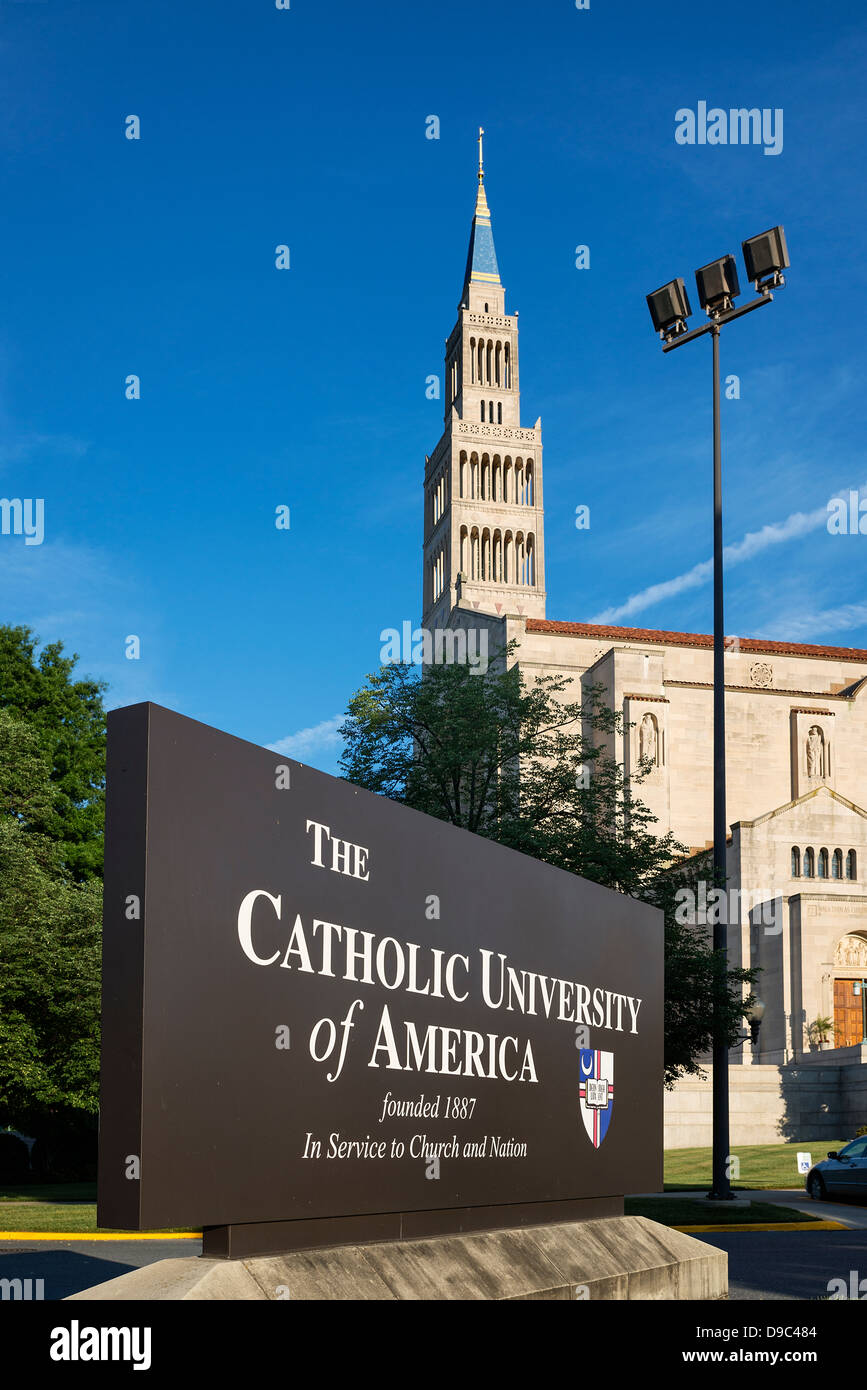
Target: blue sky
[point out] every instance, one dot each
(306, 387)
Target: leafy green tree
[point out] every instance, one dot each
(67, 717)
(49, 952)
(521, 763)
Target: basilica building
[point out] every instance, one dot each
(796, 738)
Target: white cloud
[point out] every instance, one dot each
(750, 545)
(842, 619)
(317, 739)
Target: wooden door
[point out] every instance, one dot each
(848, 1017)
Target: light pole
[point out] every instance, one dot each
(765, 257)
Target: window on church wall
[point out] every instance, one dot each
(475, 477)
(498, 558)
(529, 482)
(474, 555)
(796, 862)
(851, 864)
(837, 864)
(498, 481)
(508, 561)
(483, 412)
(488, 355)
(507, 374)
(464, 565)
(462, 476)
(479, 363)
(472, 361)
(499, 412)
(491, 411)
(823, 863)
(497, 357)
(507, 481)
(486, 555)
(809, 863)
(531, 562)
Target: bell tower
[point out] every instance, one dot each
(483, 517)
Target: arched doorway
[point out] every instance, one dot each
(850, 990)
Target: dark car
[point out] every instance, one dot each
(841, 1174)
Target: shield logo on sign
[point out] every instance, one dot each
(596, 1092)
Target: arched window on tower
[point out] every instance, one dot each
(499, 412)
(498, 363)
(809, 863)
(483, 412)
(529, 482)
(823, 863)
(851, 864)
(507, 364)
(491, 411)
(837, 864)
(472, 361)
(486, 555)
(796, 862)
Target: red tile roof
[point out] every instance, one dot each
(688, 639)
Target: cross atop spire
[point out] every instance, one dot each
(481, 257)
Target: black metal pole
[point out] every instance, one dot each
(721, 1187)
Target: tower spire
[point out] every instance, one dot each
(481, 258)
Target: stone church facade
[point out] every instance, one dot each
(796, 736)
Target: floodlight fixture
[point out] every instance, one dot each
(766, 256)
(669, 308)
(718, 286)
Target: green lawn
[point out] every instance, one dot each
(47, 1216)
(761, 1165)
(50, 1192)
(669, 1211)
(69, 1206)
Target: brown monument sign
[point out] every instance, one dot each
(329, 1017)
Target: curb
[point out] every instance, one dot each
(100, 1235)
(768, 1226)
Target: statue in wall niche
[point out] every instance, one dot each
(815, 752)
(851, 953)
(648, 742)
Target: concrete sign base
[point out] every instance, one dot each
(624, 1257)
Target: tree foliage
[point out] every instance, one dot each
(523, 764)
(67, 718)
(49, 950)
